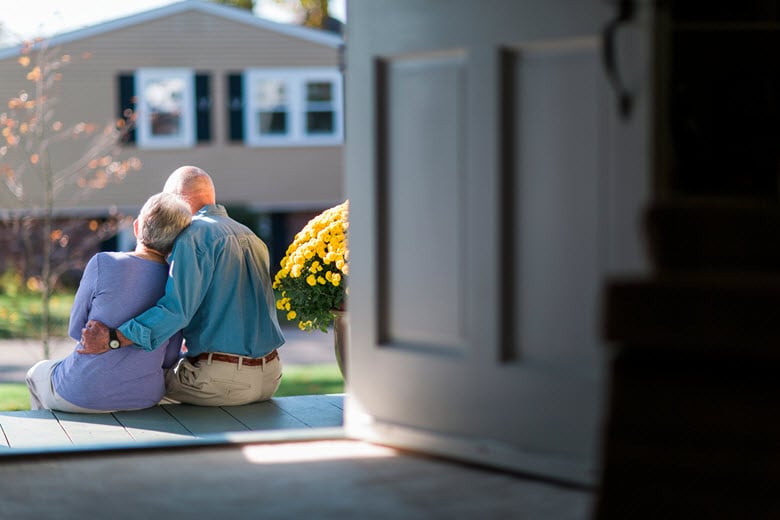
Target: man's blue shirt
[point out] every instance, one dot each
(218, 292)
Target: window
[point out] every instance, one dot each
(173, 107)
(165, 108)
(292, 107)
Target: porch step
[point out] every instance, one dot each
(694, 399)
(692, 427)
(713, 313)
(719, 235)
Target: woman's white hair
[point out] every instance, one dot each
(161, 220)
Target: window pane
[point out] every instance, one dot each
(319, 91)
(164, 99)
(320, 122)
(270, 93)
(272, 122)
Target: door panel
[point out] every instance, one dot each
(482, 151)
(423, 117)
(557, 201)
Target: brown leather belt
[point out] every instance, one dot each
(245, 361)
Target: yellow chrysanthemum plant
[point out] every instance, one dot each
(312, 281)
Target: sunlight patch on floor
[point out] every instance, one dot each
(314, 451)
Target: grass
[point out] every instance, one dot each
(14, 397)
(297, 380)
(311, 380)
(20, 315)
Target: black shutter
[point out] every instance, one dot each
(203, 107)
(126, 84)
(235, 108)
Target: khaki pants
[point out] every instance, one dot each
(218, 383)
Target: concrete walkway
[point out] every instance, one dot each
(17, 356)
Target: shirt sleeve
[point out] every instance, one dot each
(82, 303)
(188, 279)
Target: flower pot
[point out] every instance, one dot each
(341, 339)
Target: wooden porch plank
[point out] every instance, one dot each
(316, 411)
(264, 416)
(204, 420)
(152, 424)
(336, 400)
(44, 428)
(91, 428)
(33, 428)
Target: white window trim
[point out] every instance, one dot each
(295, 79)
(145, 139)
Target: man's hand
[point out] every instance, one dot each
(94, 338)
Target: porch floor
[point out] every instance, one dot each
(44, 429)
(286, 458)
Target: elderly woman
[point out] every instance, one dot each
(115, 287)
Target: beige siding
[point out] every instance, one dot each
(273, 178)
(278, 178)
(198, 40)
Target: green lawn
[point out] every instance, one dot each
(20, 315)
(311, 380)
(297, 380)
(13, 397)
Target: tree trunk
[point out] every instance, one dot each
(48, 211)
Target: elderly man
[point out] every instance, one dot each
(219, 293)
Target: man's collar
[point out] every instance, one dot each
(211, 209)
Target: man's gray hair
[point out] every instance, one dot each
(161, 220)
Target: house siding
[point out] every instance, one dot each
(273, 178)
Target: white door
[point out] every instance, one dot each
(491, 194)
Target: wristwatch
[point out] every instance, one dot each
(113, 340)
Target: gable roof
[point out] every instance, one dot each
(230, 13)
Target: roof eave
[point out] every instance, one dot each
(230, 13)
